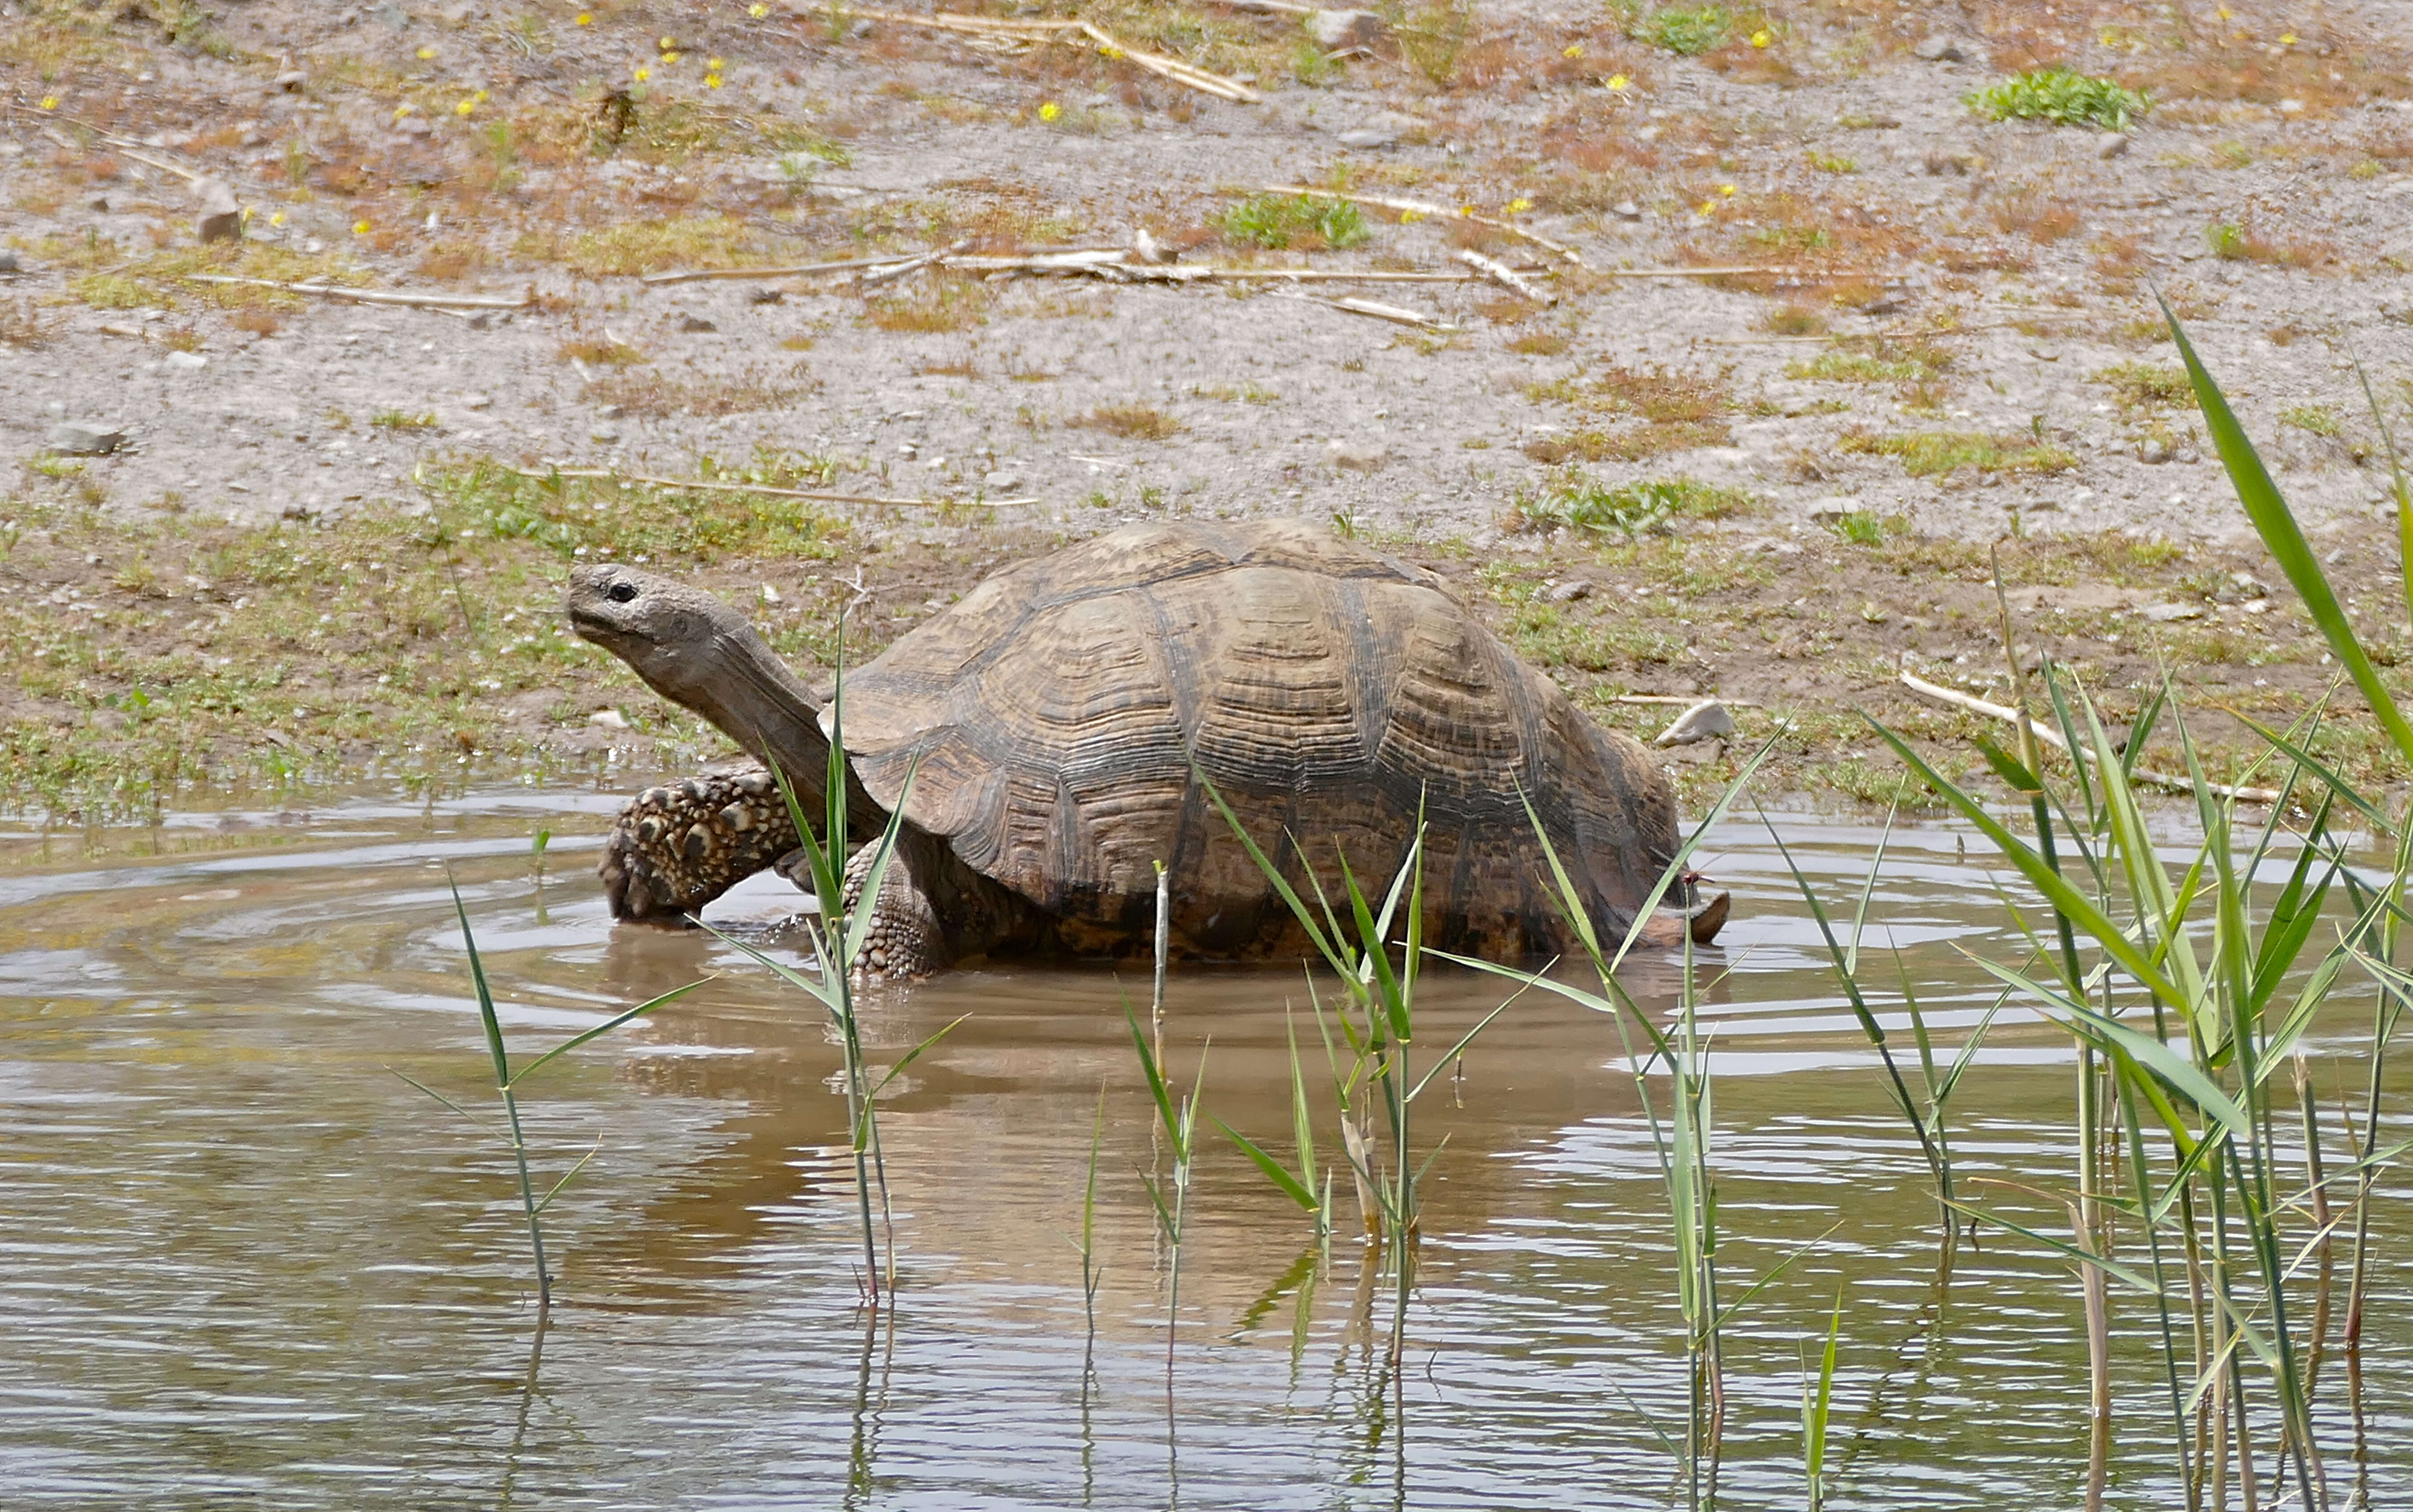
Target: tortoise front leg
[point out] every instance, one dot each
(677, 848)
(905, 940)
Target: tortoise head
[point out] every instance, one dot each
(697, 651)
(675, 637)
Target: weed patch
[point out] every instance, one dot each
(1132, 423)
(1305, 222)
(1932, 453)
(1576, 501)
(2062, 97)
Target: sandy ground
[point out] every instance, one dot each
(1931, 280)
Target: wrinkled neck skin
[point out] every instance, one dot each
(740, 684)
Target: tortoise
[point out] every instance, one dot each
(1058, 723)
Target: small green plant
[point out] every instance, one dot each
(1859, 528)
(400, 419)
(1688, 33)
(1170, 1198)
(840, 929)
(1433, 35)
(2145, 385)
(1826, 163)
(2229, 241)
(1314, 66)
(2319, 419)
(507, 1085)
(1307, 222)
(1575, 500)
(1928, 454)
(2062, 97)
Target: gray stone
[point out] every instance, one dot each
(8, 265)
(189, 360)
(1705, 721)
(2154, 451)
(1940, 49)
(2163, 614)
(1359, 456)
(1568, 592)
(391, 16)
(1626, 209)
(696, 324)
(606, 433)
(2115, 145)
(608, 720)
(220, 217)
(81, 439)
(1336, 30)
(1367, 138)
(1002, 483)
(291, 80)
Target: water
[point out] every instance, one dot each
(246, 1265)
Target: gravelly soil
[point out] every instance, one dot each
(2005, 268)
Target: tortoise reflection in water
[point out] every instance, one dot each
(1057, 719)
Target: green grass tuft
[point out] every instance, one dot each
(1575, 500)
(2062, 97)
(1307, 222)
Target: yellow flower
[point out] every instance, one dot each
(1110, 53)
(426, 54)
(1619, 82)
(277, 220)
(360, 227)
(643, 73)
(1519, 205)
(2222, 12)
(1466, 210)
(584, 19)
(1708, 206)
(49, 102)
(712, 64)
(401, 109)
(1050, 110)
(1727, 189)
(2287, 39)
(1409, 218)
(757, 12)
(670, 57)
(1575, 51)
(712, 81)
(667, 43)
(1761, 39)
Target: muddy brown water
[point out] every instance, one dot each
(245, 1265)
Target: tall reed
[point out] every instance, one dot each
(838, 928)
(506, 1085)
(2189, 985)
(1375, 1015)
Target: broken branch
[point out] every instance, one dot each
(2145, 774)
(799, 270)
(372, 296)
(1500, 274)
(703, 486)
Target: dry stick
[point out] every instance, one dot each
(821, 496)
(800, 270)
(372, 296)
(1417, 207)
(1187, 74)
(2142, 774)
(1391, 313)
(898, 269)
(1500, 273)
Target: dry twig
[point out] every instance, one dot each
(703, 486)
(1507, 277)
(1107, 44)
(2145, 774)
(372, 296)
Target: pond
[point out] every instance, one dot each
(246, 1264)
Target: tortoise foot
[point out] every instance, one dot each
(679, 847)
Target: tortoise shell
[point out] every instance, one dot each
(1051, 719)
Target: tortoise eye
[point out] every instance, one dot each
(623, 592)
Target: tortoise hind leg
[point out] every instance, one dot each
(906, 940)
(677, 848)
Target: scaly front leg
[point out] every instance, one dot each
(677, 848)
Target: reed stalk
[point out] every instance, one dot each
(507, 1085)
